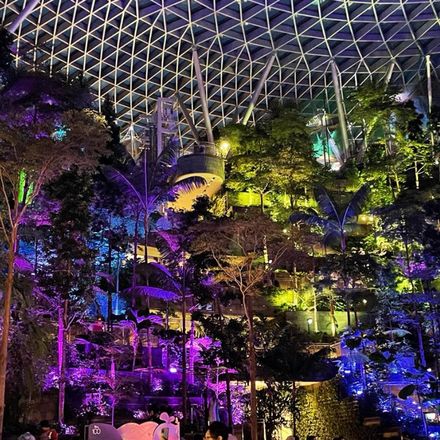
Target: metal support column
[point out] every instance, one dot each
(258, 89)
(202, 95)
(30, 6)
(429, 82)
(429, 90)
(341, 111)
(188, 119)
(389, 73)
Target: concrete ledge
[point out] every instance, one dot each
(200, 164)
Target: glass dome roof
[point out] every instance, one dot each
(135, 51)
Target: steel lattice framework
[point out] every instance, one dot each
(135, 51)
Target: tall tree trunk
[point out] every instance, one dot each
(228, 399)
(110, 288)
(184, 366)
(293, 408)
(416, 315)
(344, 277)
(315, 311)
(332, 316)
(167, 327)
(62, 319)
(217, 306)
(113, 387)
(191, 352)
(416, 174)
(150, 357)
(247, 303)
(261, 194)
(135, 246)
(7, 321)
(396, 178)
(146, 235)
(420, 343)
(135, 347)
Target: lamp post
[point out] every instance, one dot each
(309, 323)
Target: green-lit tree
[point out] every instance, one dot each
(387, 123)
(335, 224)
(275, 157)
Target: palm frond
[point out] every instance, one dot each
(309, 219)
(326, 203)
(125, 185)
(106, 276)
(163, 270)
(189, 184)
(399, 332)
(154, 292)
(166, 164)
(356, 203)
(22, 264)
(331, 236)
(169, 243)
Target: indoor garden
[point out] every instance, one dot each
(281, 277)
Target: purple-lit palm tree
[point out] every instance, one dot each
(148, 186)
(178, 280)
(137, 322)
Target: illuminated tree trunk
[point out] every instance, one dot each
(184, 366)
(62, 318)
(7, 321)
(420, 343)
(217, 306)
(247, 303)
(135, 246)
(109, 293)
(150, 356)
(191, 353)
(332, 316)
(228, 399)
(416, 174)
(135, 347)
(293, 409)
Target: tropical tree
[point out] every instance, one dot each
(385, 119)
(112, 237)
(138, 321)
(178, 280)
(30, 354)
(68, 275)
(38, 143)
(231, 351)
(275, 406)
(275, 157)
(147, 187)
(244, 252)
(286, 360)
(335, 223)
